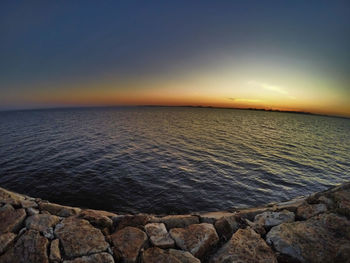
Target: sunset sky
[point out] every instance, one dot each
(289, 55)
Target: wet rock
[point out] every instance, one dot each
(316, 240)
(245, 246)
(8, 197)
(270, 219)
(183, 256)
(159, 236)
(95, 258)
(212, 217)
(43, 223)
(55, 254)
(31, 247)
(197, 239)
(32, 211)
(5, 241)
(97, 218)
(226, 226)
(306, 211)
(157, 255)
(133, 220)
(78, 237)
(178, 221)
(11, 219)
(59, 210)
(128, 242)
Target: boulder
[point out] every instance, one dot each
(97, 218)
(43, 223)
(8, 197)
(32, 211)
(226, 226)
(306, 211)
(133, 220)
(59, 210)
(318, 239)
(198, 239)
(291, 205)
(183, 256)
(94, 258)
(178, 221)
(159, 236)
(157, 255)
(78, 237)
(245, 246)
(212, 217)
(270, 219)
(31, 247)
(28, 204)
(342, 199)
(5, 241)
(55, 254)
(11, 219)
(128, 242)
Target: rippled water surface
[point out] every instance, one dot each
(170, 160)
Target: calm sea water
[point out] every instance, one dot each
(170, 160)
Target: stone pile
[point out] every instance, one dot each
(309, 229)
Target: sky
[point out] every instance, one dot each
(287, 55)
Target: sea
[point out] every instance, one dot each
(170, 160)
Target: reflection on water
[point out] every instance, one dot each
(167, 160)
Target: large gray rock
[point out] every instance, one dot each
(197, 239)
(59, 210)
(11, 219)
(318, 239)
(5, 241)
(127, 243)
(31, 247)
(43, 223)
(159, 236)
(95, 258)
(78, 237)
(245, 246)
(270, 219)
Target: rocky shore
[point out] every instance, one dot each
(315, 228)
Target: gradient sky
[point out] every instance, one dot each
(292, 55)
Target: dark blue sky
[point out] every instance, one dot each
(52, 43)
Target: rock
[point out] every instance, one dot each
(316, 240)
(31, 247)
(159, 236)
(197, 239)
(97, 218)
(128, 242)
(179, 221)
(42, 223)
(78, 237)
(28, 204)
(226, 226)
(157, 255)
(8, 197)
(291, 205)
(270, 219)
(59, 210)
(257, 227)
(245, 246)
(183, 256)
(211, 217)
(55, 254)
(250, 213)
(5, 241)
(95, 258)
(342, 199)
(11, 219)
(32, 211)
(306, 211)
(134, 221)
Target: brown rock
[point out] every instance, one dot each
(28, 203)
(179, 221)
(250, 213)
(197, 239)
(32, 211)
(270, 219)
(59, 210)
(11, 219)
(315, 240)
(42, 222)
(134, 221)
(95, 258)
(342, 199)
(159, 236)
(183, 256)
(291, 205)
(78, 237)
(97, 218)
(5, 241)
(55, 254)
(31, 247)
(128, 242)
(306, 211)
(9, 197)
(157, 255)
(245, 246)
(226, 226)
(212, 217)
